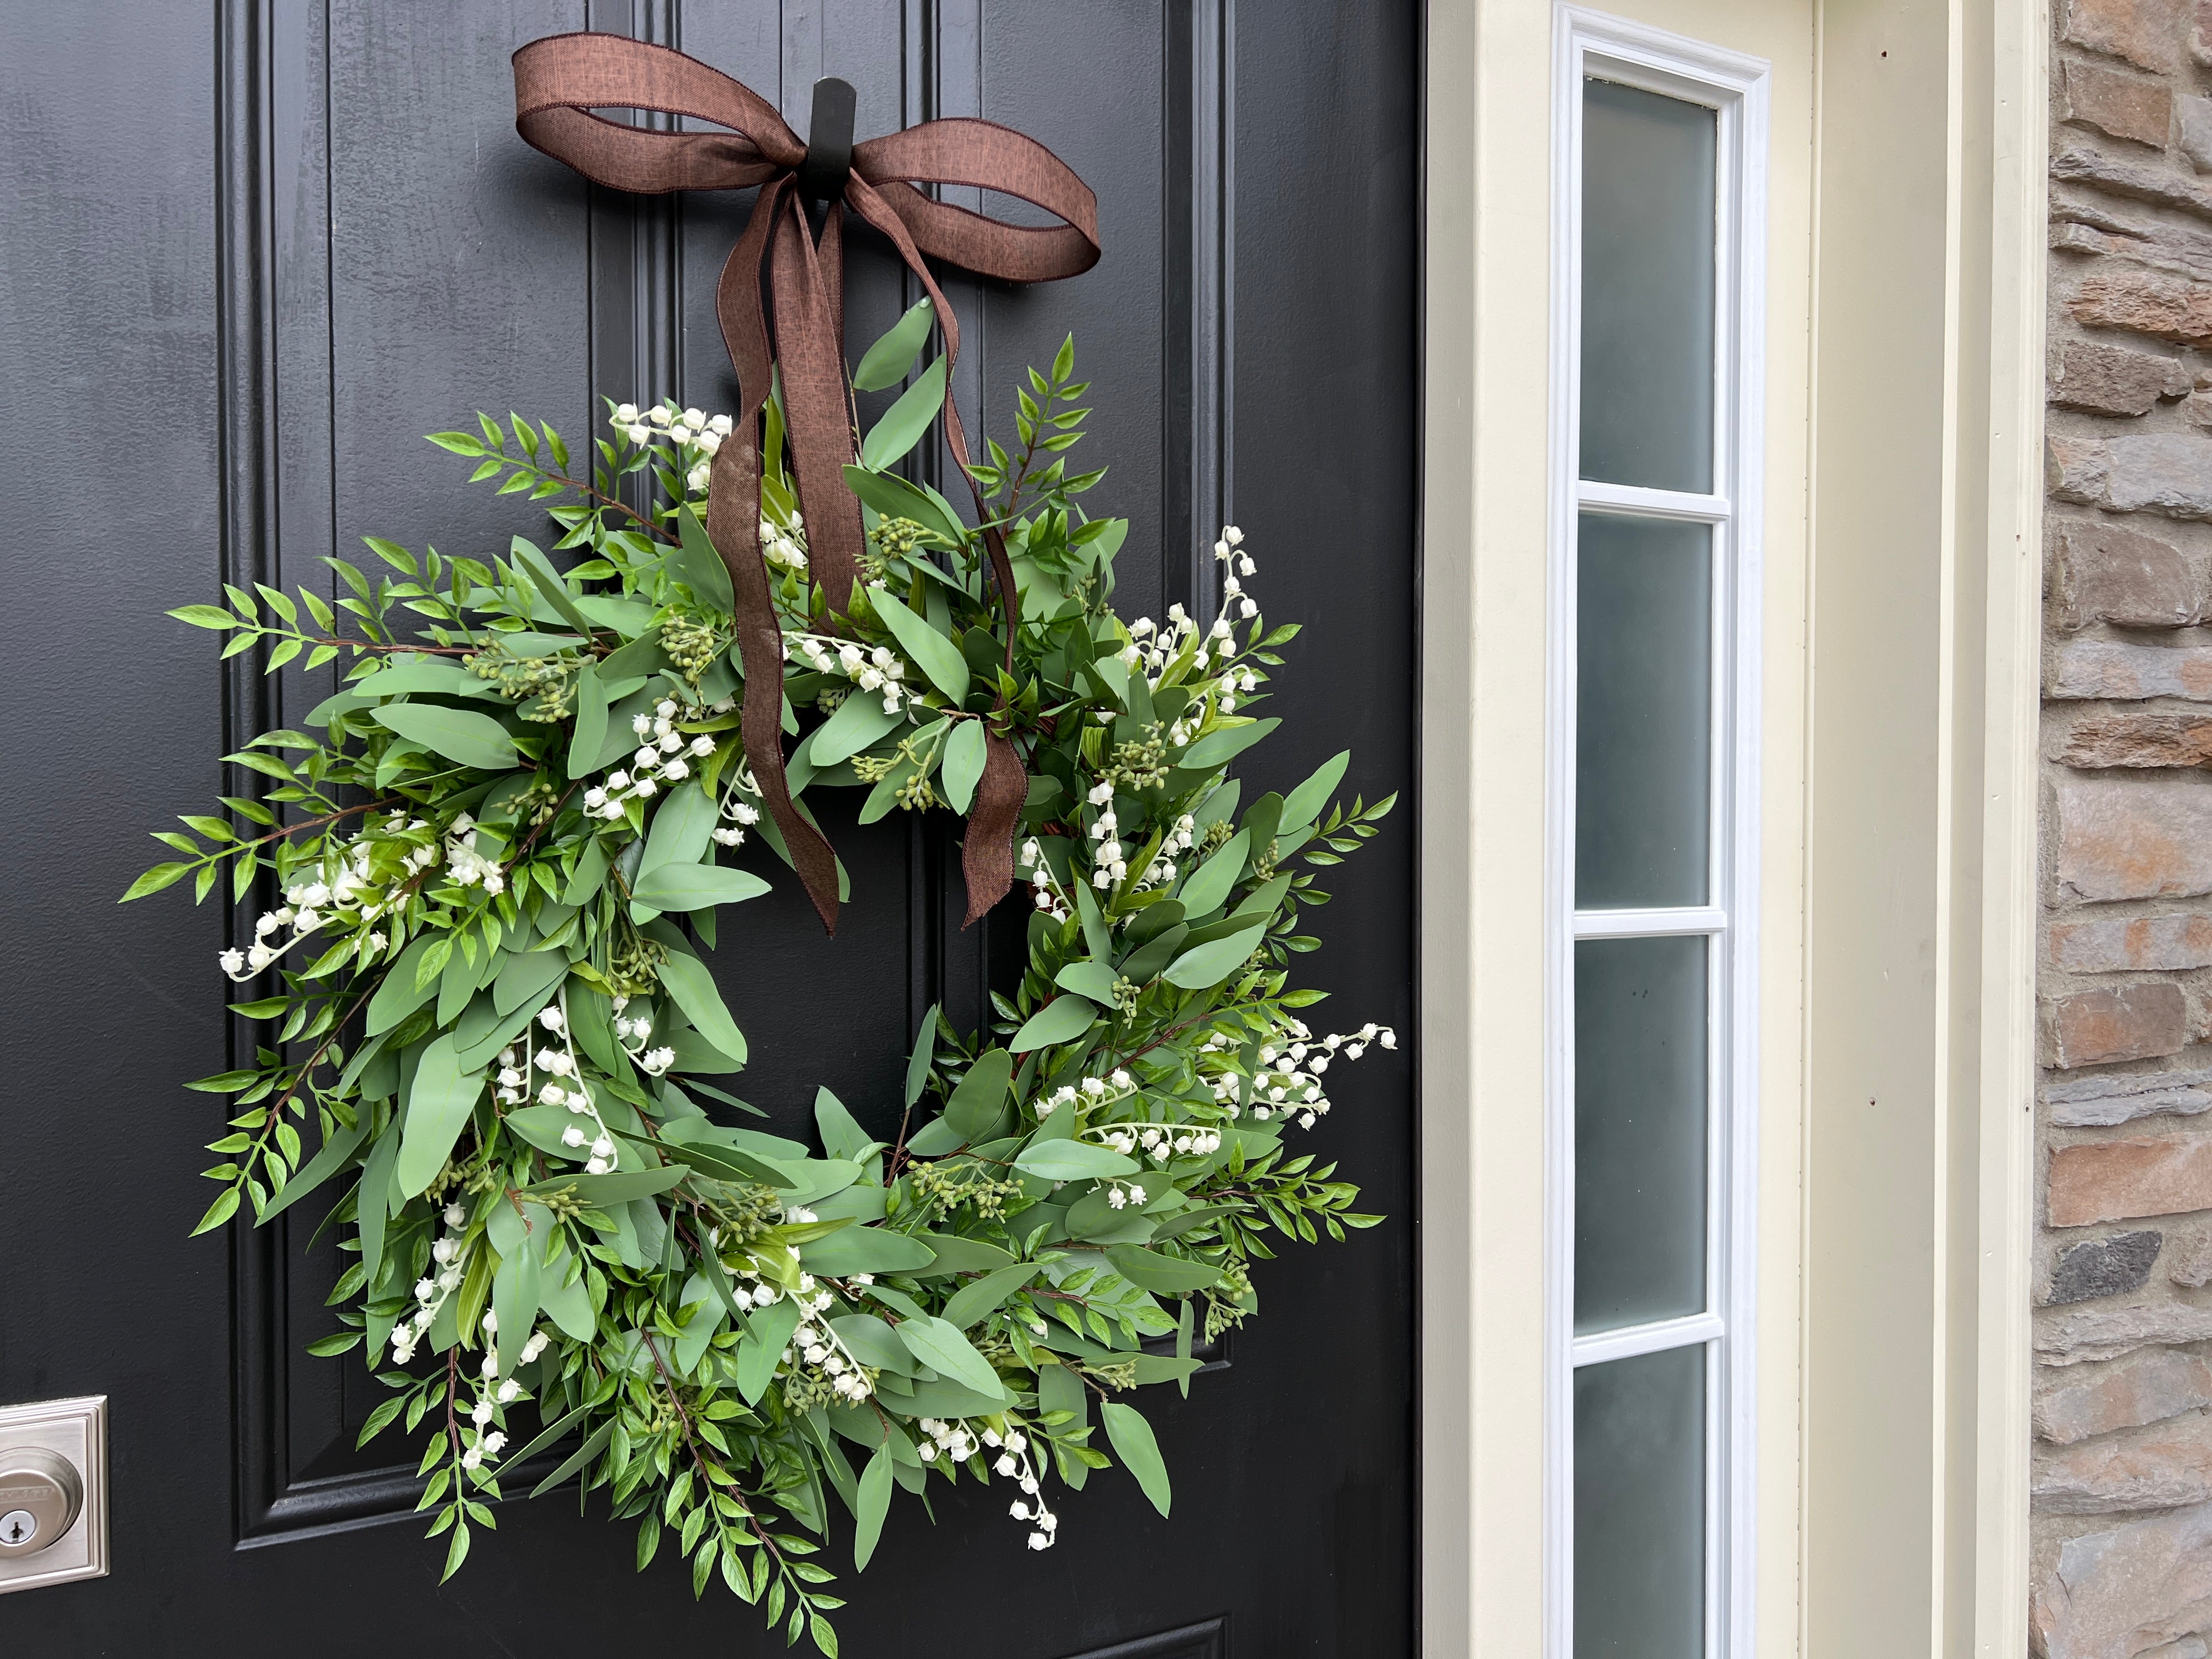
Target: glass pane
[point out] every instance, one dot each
(1639, 1131)
(1648, 260)
(1643, 713)
(1640, 1507)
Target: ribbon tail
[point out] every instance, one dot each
(733, 525)
(987, 857)
(811, 354)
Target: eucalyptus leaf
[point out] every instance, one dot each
(692, 989)
(1218, 748)
(965, 751)
(1140, 1453)
(943, 1348)
(981, 1297)
(698, 566)
(1094, 979)
(1061, 1020)
(1303, 804)
(853, 725)
(695, 886)
(437, 1106)
(459, 734)
(1208, 887)
(1073, 1160)
(934, 654)
(1204, 966)
(905, 422)
(885, 362)
(975, 1106)
(875, 1501)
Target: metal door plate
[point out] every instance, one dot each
(75, 1430)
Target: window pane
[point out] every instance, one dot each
(1639, 1131)
(1643, 713)
(1648, 253)
(1639, 1507)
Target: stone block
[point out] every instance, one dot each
(2145, 303)
(2148, 33)
(2140, 737)
(2189, 1647)
(2117, 671)
(2143, 1174)
(2137, 181)
(2082, 1334)
(2110, 379)
(2169, 473)
(2114, 573)
(2146, 1386)
(2135, 944)
(2196, 132)
(2164, 472)
(2117, 1023)
(2100, 1102)
(2162, 1467)
(2191, 1262)
(2103, 1266)
(2088, 225)
(2112, 101)
(2076, 469)
(2132, 838)
(2120, 1593)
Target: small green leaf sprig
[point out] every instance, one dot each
(494, 885)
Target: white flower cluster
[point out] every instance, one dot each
(1230, 553)
(755, 1289)
(564, 1085)
(464, 864)
(956, 1443)
(1160, 1142)
(1120, 1194)
(348, 897)
(1043, 888)
(448, 1263)
(817, 1347)
(492, 1393)
(879, 671)
(634, 1033)
(742, 815)
(1091, 1093)
(1289, 1078)
(694, 434)
(784, 544)
(1154, 648)
(1013, 1461)
(662, 758)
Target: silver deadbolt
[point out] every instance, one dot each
(40, 1497)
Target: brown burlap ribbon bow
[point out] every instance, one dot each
(558, 82)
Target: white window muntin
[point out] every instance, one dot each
(1590, 46)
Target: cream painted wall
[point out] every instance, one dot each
(1903, 400)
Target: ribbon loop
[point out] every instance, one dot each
(780, 304)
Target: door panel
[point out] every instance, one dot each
(289, 239)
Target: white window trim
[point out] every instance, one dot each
(1736, 86)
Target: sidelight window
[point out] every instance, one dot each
(1657, 182)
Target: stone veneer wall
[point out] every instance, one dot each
(2122, 1419)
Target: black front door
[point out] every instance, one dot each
(254, 251)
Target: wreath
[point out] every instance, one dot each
(501, 867)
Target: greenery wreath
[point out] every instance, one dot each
(528, 778)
